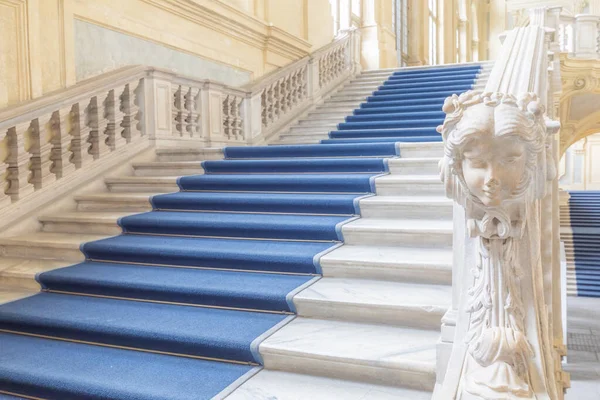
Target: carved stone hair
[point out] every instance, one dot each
(521, 117)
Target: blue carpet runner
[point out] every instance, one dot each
(584, 210)
(177, 305)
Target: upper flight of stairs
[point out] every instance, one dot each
(580, 232)
(260, 259)
(351, 99)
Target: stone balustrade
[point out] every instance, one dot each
(580, 35)
(49, 138)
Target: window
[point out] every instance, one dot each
(433, 31)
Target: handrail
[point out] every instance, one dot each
(499, 166)
(48, 138)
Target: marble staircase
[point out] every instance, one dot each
(367, 329)
(370, 324)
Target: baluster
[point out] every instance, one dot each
(85, 119)
(271, 102)
(115, 134)
(178, 105)
(101, 135)
(226, 119)
(62, 153)
(282, 96)
(108, 135)
(40, 150)
(237, 118)
(18, 163)
(264, 108)
(130, 111)
(4, 154)
(192, 98)
(95, 124)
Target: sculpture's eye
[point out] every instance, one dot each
(511, 160)
(477, 163)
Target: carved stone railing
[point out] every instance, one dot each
(504, 328)
(580, 35)
(49, 138)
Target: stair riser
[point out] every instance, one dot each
(411, 188)
(40, 251)
(82, 228)
(188, 157)
(435, 150)
(366, 313)
(413, 168)
(88, 205)
(141, 188)
(331, 368)
(407, 211)
(434, 274)
(312, 129)
(19, 281)
(321, 123)
(165, 171)
(400, 238)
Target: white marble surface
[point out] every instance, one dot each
(401, 232)
(407, 207)
(277, 385)
(20, 272)
(389, 262)
(362, 300)
(366, 352)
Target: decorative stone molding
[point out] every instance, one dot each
(499, 167)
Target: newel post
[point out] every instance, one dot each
(499, 168)
(586, 29)
(252, 115)
(158, 104)
(314, 85)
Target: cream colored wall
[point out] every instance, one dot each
(251, 36)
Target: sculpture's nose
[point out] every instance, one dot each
(491, 178)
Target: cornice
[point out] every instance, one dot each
(236, 24)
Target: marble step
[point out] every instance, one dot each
(299, 129)
(408, 207)
(421, 150)
(375, 301)
(414, 165)
(189, 154)
(341, 97)
(278, 385)
(46, 245)
(124, 202)
(101, 223)
(322, 122)
(358, 91)
(394, 263)
(12, 294)
(401, 232)
(327, 108)
(336, 102)
(370, 353)
(168, 168)
(21, 272)
(330, 114)
(409, 185)
(298, 139)
(161, 184)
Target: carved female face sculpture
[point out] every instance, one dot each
(493, 157)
